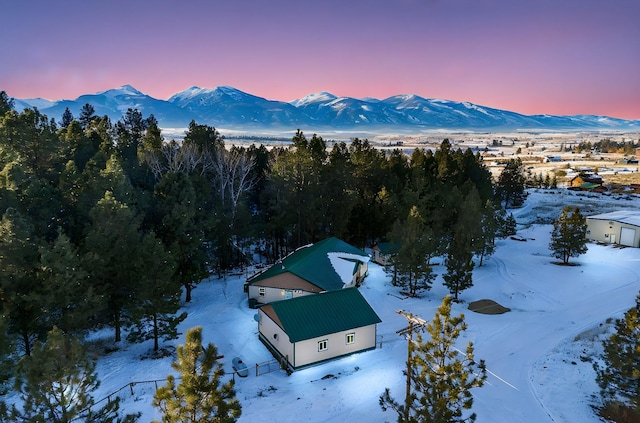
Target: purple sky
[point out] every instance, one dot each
(530, 56)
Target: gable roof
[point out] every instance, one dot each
(312, 316)
(388, 247)
(328, 264)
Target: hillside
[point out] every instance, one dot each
(539, 354)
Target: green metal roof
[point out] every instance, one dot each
(316, 315)
(389, 247)
(313, 263)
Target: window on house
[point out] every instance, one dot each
(323, 345)
(350, 338)
(262, 292)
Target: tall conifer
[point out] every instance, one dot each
(200, 396)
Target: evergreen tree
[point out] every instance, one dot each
(67, 118)
(177, 222)
(466, 238)
(371, 217)
(18, 279)
(153, 316)
(113, 258)
(569, 235)
(8, 355)
(200, 397)
(6, 103)
(33, 137)
(440, 377)
(67, 299)
(486, 244)
(459, 263)
(416, 246)
(55, 384)
(511, 182)
(618, 373)
(87, 115)
(506, 225)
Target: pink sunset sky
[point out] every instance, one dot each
(558, 57)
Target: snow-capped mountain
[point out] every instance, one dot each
(229, 107)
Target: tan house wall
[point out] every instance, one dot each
(278, 288)
(610, 231)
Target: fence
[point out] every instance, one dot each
(269, 366)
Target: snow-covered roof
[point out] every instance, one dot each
(630, 217)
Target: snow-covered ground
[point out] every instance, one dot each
(539, 354)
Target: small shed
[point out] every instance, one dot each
(383, 251)
(328, 265)
(308, 330)
(619, 227)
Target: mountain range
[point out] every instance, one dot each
(228, 107)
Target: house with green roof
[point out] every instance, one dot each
(308, 330)
(327, 265)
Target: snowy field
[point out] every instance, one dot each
(539, 355)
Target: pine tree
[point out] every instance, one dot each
(440, 376)
(87, 115)
(569, 235)
(416, 245)
(18, 280)
(55, 384)
(6, 103)
(67, 118)
(466, 235)
(459, 263)
(510, 186)
(154, 315)
(67, 299)
(113, 258)
(486, 242)
(7, 355)
(618, 374)
(200, 397)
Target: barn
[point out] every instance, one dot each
(308, 330)
(618, 227)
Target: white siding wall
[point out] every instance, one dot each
(268, 328)
(306, 352)
(610, 231)
(273, 294)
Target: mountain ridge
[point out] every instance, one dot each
(229, 107)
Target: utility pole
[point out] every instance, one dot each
(415, 324)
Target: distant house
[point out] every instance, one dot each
(312, 329)
(619, 227)
(586, 182)
(327, 265)
(383, 251)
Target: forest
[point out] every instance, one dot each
(108, 224)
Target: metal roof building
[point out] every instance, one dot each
(620, 227)
(315, 328)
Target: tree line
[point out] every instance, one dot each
(107, 223)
